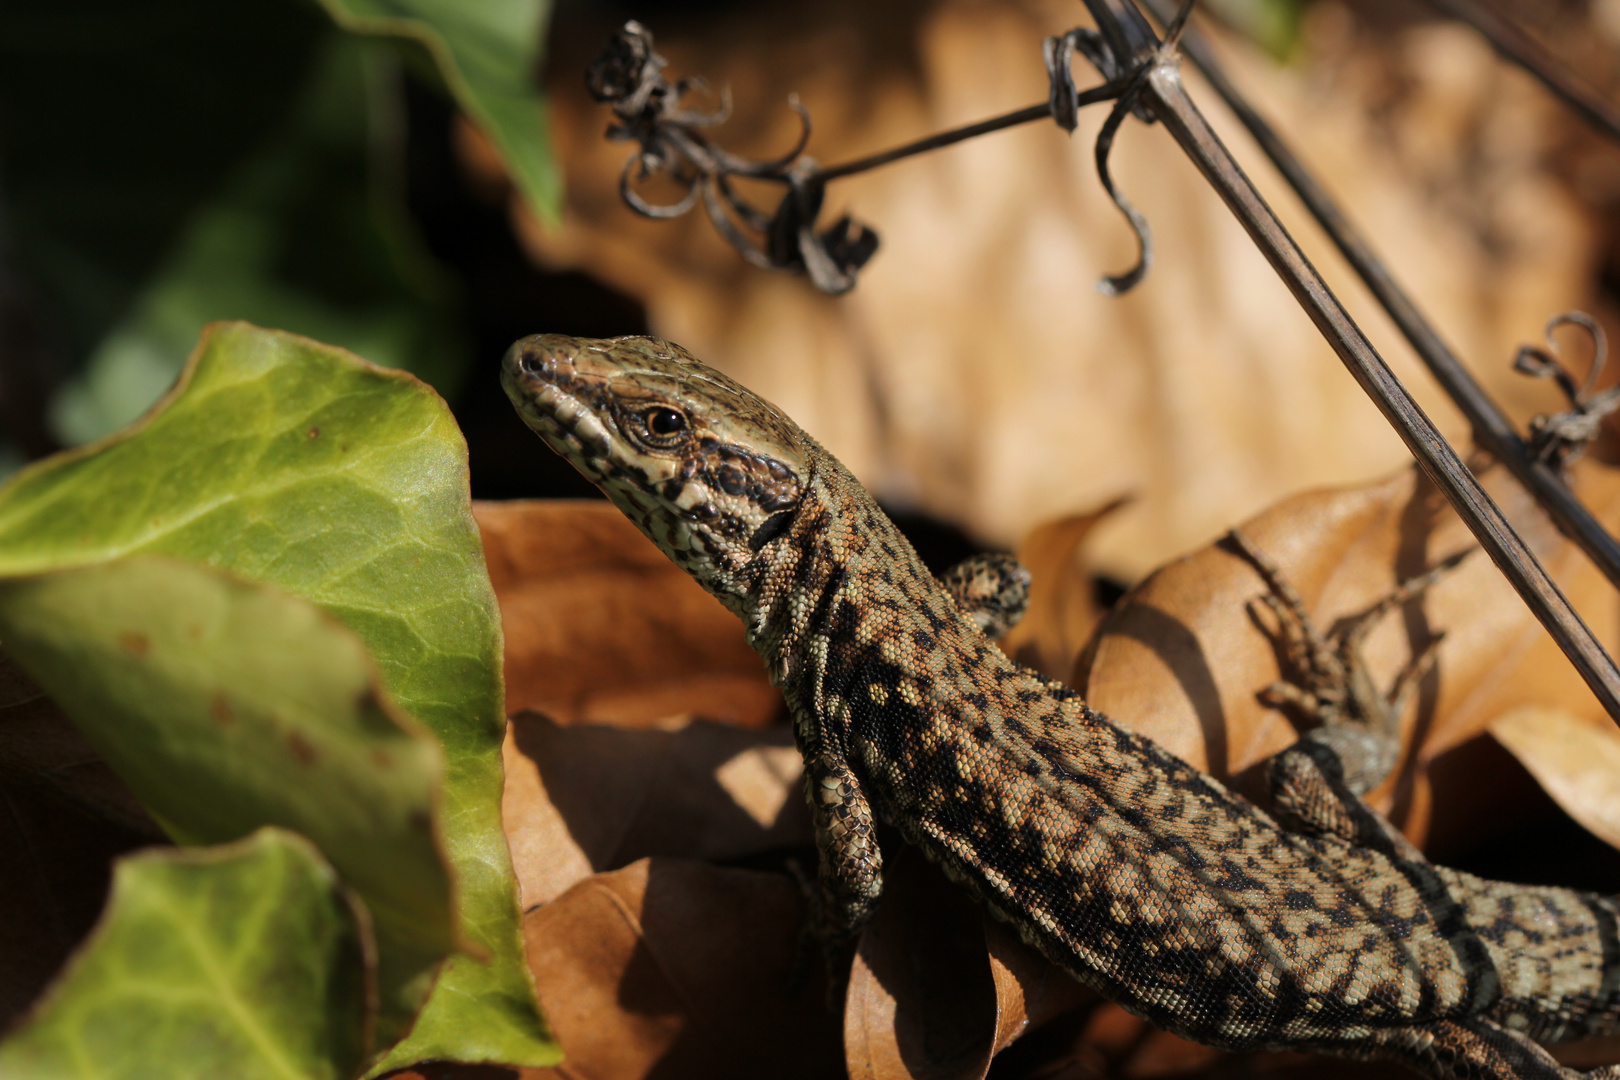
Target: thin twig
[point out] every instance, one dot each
(1492, 430)
(1043, 111)
(1524, 50)
(1168, 99)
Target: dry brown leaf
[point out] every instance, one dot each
(1063, 608)
(585, 799)
(602, 628)
(1183, 660)
(939, 989)
(1575, 758)
(921, 1000)
(681, 969)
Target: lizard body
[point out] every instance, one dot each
(1138, 874)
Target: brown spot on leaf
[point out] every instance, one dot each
(301, 749)
(382, 759)
(313, 433)
(135, 643)
(220, 709)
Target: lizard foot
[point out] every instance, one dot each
(1473, 1049)
(992, 589)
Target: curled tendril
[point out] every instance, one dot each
(1065, 105)
(1562, 437)
(651, 111)
(1131, 73)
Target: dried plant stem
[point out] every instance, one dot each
(1043, 111)
(1493, 431)
(1168, 100)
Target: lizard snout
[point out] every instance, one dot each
(532, 358)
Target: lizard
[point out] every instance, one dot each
(1135, 872)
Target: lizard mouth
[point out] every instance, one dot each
(555, 398)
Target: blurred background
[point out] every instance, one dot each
(424, 181)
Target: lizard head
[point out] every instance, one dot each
(709, 471)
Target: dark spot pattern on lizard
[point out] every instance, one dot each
(1135, 872)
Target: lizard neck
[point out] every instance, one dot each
(847, 617)
(803, 589)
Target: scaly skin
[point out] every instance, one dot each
(1133, 871)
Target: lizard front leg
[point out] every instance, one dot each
(992, 589)
(850, 877)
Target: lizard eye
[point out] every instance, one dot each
(664, 422)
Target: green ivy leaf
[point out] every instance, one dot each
(488, 54)
(225, 706)
(243, 961)
(296, 464)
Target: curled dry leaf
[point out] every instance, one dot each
(681, 968)
(585, 799)
(602, 628)
(1183, 660)
(939, 989)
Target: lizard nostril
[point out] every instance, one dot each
(535, 363)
